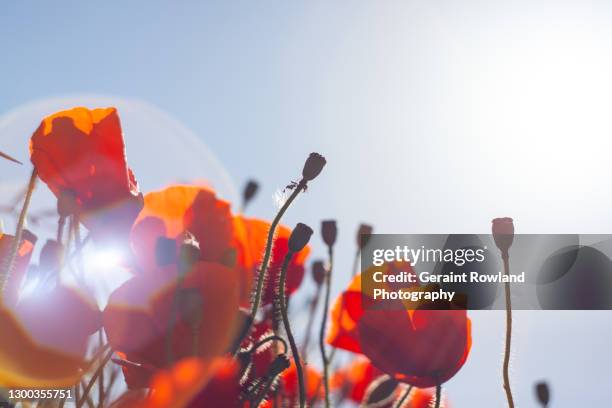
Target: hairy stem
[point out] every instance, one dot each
(506, 374)
(18, 233)
(401, 401)
(438, 396)
(327, 283)
(266, 259)
(294, 350)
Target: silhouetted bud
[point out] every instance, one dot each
(503, 233)
(318, 272)
(51, 255)
(542, 393)
(165, 251)
(189, 252)
(381, 391)
(364, 229)
(278, 365)
(329, 230)
(299, 237)
(67, 203)
(249, 192)
(313, 166)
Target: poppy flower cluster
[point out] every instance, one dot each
(205, 318)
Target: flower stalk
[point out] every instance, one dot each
(503, 235)
(283, 309)
(19, 232)
(329, 232)
(400, 402)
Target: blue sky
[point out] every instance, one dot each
(435, 117)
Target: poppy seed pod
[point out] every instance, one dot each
(542, 393)
(362, 234)
(329, 232)
(503, 233)
(313, 166)
(249, 191)
(318, 272)
(299, 237)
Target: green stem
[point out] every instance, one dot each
(327, 283)
(265, 263)
(438, 395)
(506, 373)
(294, 350)
(401, 401)
(18, 233)
(92, 381)
(266, 259)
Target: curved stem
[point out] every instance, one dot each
(327, 283)
(265, 263)
(438, 395)
(506, 374)
(294, 350)
(18, 233)
(266, 259)
(401, 401)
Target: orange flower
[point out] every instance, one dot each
(424, 398)
(17, 275)
(139, 316)
(290, 386)
(257, 234)
(420, 347)
(175, 210)
(185, 385)
(353, 380)
(80, 152)
(26, 363)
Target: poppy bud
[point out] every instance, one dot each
(189, 252)
(380, 391)
(542, 393)
(51, 255)
(318, 272)
(313, 166)
(67, 203)
(278, 365)
(299, 237)
(329, 232)
(249, 191)
(363, 235)
(503, 233)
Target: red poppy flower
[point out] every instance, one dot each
(353, 380)
(139, 316)
(290, 385)
(420, 347)
(176, 210)
(189, 382)
(81, 152)
(24, 253)
(257, 235)
(424, 398)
